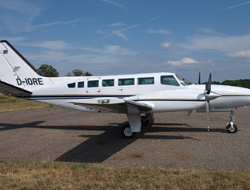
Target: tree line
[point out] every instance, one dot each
(240, 83)
(49, 71)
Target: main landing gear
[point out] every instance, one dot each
(146, 120)
(231, 127)
(127, 132)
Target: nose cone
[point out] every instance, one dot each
(238, 95)
(241, 91)
(246, 95)
(230, 90)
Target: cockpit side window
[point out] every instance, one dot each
(169, 80)
(183, 80)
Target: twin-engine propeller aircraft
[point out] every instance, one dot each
(138, 95)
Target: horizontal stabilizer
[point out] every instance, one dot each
(10, 90)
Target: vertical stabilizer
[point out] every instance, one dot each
(16, 70)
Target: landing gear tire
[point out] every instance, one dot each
(231, 128)
(144, 121)
(147, 120)
(127, 132)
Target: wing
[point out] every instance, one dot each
(114, 105)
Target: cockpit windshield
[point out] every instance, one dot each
(183, 81)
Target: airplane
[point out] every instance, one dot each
(136, 95)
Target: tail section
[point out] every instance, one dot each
(17, 75)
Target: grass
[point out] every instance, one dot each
(9, 104)
(21, 175)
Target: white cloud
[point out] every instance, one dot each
(160, 31)
(239, 5)
(244, 53)
(207, 30)
(20, 6)
(227, 44)
(13, 39)
(111, 49)
(114, 3)
(166, 45)
(117, 24)
(61, 45)
(55, 45)
(100, 32)
(183, 62)
(119, 34)
(59, 57)
(18, 16)
(35, 27)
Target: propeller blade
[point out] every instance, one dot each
(208, 84)
(208, 118)
(199, 80)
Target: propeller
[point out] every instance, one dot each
(207, 92)
(199, 79)
(209, 95)
(208, 84)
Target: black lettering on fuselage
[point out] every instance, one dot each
(35, 81)
(19, 82)
(30, 81)
(40, 81)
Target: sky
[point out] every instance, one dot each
(113, 37)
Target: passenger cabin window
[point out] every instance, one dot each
(145, 81)
(72, 85)
(126, 82)
(93, 83)
(169, 80)
(108, 82)
(80, 84)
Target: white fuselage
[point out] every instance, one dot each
(163, 94)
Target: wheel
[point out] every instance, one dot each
(127, 132)
(144, 121)
(230, 129)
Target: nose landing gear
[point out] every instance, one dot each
(231, 127)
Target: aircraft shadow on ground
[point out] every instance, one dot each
(98, 148)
